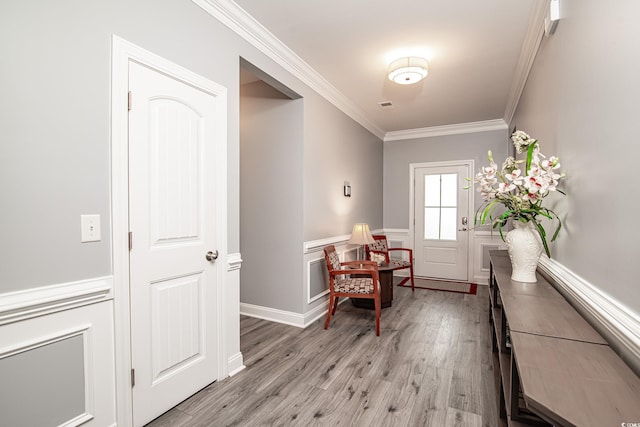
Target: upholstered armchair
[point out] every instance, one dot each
(380, 246)
(343, 284)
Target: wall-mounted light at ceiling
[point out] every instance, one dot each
(552, 17)
(408, 70)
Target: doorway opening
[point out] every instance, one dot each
(271, 193)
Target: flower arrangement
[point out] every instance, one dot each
(521, 193)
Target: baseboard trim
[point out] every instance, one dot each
(235, 364)
(613, 319)
(22, 305)
(272, 314)
(287, 317)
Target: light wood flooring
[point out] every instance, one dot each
(431, 366)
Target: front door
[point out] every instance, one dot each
(441, 213)
(172, 217)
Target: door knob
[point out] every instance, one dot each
(462, 229)
(212, 255)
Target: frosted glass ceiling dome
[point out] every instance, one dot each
(408, 70)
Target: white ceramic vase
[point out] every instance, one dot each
(525, 247)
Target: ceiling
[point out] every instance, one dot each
(473, 47)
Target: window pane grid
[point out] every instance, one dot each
(440, 206)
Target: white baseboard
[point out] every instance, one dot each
(235, 364)
(272, 314)
(616, 320)
(287, 317)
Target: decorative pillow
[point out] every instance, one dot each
(378, 258)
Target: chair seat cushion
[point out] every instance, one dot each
(354, 285)
(399, 263)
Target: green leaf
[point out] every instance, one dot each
(488, 210)
(530, 156)
(543, 236)
(555, 234)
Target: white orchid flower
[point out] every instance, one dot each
(552, 163)
(515, 177)
(505, 187)
(533, 183)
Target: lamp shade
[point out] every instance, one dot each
(361, 235)
(409, 70)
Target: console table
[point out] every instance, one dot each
(555, 369)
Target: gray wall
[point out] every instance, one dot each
(581, 102)
(270, 197)
(54, 116)
(398, 155)
(338, 150)
(55, 120)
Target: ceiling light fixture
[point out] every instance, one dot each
(409, 70)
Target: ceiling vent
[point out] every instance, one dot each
(385, 104)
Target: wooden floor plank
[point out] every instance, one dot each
(458, 418)
(431, 366)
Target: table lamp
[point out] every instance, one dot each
(361, 236)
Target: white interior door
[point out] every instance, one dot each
(173, 287)
(441, 240)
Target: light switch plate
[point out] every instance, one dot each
(89, 228)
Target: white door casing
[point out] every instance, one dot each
(441, 215)
(173, 287)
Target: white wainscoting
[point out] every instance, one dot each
(22, 305)
(619, 325)
(317, 279)
(94, 324)
(230, 335)
(315, 284)
(483, 242)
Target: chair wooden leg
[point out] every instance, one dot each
(376, 303)
(403, 281)
(413, 288)
(335, 305)
(326, 323)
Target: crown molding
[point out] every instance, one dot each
(470, 127)
(528, 53)
(247, 27)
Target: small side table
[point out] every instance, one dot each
(385, 273)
